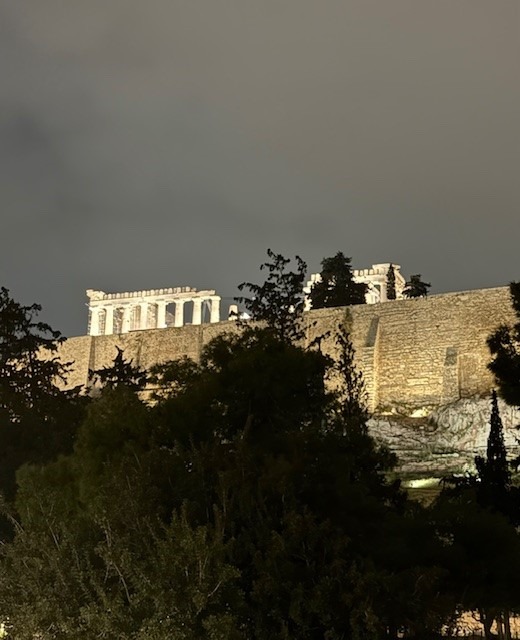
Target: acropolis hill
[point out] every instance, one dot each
(423, 360)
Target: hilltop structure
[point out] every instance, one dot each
(413, 353)
(376, 279)
(118, 313)
(424, 361)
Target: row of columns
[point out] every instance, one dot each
(97, 327)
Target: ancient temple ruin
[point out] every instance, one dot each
(376, 277)
(117, 313)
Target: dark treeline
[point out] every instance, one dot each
(240, 497)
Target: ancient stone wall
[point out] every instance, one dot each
(423, 352)
(415, 353)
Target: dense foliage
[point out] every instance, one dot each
(242, 497)
(279, 301)
(37, 419)
(416, 288)
(479, 513)
(336, 286)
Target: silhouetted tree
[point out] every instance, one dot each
(279, 301)
(29, 370)
(492, 482)
(390, 283)
(121, 373)
(488, 505)
(493, 470)
(249, 501)
(481, 558)
(336, 287)
(37, 418)
(416, 288)
(351, 400)
(504, 345)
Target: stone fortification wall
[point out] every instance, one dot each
(415, 353)
(424, 352)
(145, 347)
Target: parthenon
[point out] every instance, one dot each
(117, 313)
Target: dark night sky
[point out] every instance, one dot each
(170, 142)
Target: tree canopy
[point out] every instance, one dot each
(416, 288)
(242, 497)
(336, 286)
(279, 301)
(480, 512)
(247, 501)
(37, 418)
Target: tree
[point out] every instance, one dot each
(493, 470)
(29, 372)
(390, 283)
(336, 287)
(248, 501)
(481, 559)
(351, 396)
(504, 345)
(38, 419)
(121, 372)
(487, 579)
(491, 484)
(415, 288)
(279, 301)
(104, 565)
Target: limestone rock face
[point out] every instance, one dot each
(445, 439)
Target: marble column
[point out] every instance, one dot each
(144, 315)
(109, 320)
(127, 319)
(94, 321)
(179, 313)
(382, 288)
(161, 314)
(214, 315)
(197, 311)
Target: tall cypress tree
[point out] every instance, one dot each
(493, 470)
(390, 283)
(492, 482)
(483, 534)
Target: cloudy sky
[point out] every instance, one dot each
(171, 142)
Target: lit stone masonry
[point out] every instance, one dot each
(424, 364)
(375, 278)
(118, 313)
